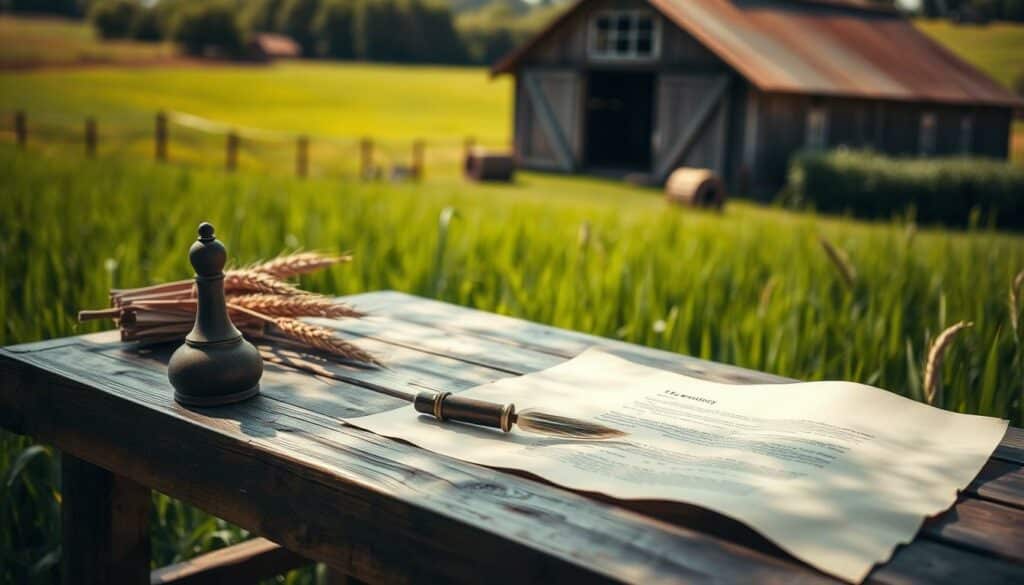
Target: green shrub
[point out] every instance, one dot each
(948, 190)
(295, 19)
(147, 25)
(208, 28)
(113, 19)
(333, 27)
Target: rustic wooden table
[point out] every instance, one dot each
(284, 467)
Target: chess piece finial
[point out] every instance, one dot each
(215, 365)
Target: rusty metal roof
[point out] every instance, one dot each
(822, 47)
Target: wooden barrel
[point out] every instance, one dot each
(481, 165)
(696, 188)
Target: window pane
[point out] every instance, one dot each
(603, 23)
(643, 46)
(602, 41)
(644, 23)
(622, 23)
(622, 45)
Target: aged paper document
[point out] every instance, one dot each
(835, 473)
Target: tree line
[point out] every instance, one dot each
(412, 31)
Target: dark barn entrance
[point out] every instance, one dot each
(619, 120)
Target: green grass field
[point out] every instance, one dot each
(750, 287)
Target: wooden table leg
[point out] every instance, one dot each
(105, 520)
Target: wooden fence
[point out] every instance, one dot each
(373, 162)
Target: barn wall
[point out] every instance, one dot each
(892, 128)
(568, 45)
(992, 132)
(562, 90)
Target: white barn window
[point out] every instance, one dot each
(927, 133)
(967, 133)
(816, 136)
(625, 35)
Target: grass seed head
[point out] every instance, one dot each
(841, 261)
(936, 354)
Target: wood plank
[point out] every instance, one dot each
(378, 509)
(543, 338)
(925, 561)
(105, 525)
(1001, 482)
(1012, 447)
(981, 526)
(246, 562)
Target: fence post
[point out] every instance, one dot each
(418, 149)
(21, 128)
(231, 161)
(161, 136)
(366, 158)
(91, 137)
(302, 156)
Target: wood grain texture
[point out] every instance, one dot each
(981, 526)
(1000, 482)
(285, 466)
(105, 524)
(247, 562)
(461, 327)
(375, 508)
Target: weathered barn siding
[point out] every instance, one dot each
(868, 69)
(685, 72)
(550, 140)
(567, 46)
(889, 127)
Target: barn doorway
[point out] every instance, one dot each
(619, 120)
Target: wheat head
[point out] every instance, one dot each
(299, 263)
(937, 352)
(1015, 289)
(294, 305)
(251, 281)
(841, 262)
(322, 339)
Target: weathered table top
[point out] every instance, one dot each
(283, 465)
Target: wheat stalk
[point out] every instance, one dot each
(294, 306)
(311, 336)
(300, 263)
(841, 262)
(251, 281)
(937, 352)
(1015, 290)
(322, 339)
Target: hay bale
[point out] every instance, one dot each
(481, 165)
(695, 188)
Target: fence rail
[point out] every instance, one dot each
(188, 139)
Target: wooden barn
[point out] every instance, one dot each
(738, 86)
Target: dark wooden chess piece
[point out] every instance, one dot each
(215, 365)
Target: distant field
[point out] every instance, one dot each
(391, 103)
(56, 41)
(996, 49)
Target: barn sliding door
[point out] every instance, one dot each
(691, 123)
(548, 119)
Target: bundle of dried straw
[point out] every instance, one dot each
(262, 305)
